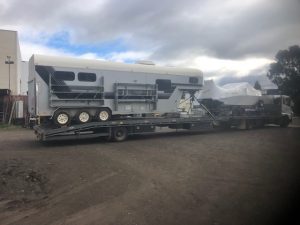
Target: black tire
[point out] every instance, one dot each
(119, 133)
(103, 114)
(61, 118)
(83, 117)
(260, 123)
(284, 121)
(225, 125)
(249, 124)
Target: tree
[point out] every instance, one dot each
(257, 86)
(285, 73)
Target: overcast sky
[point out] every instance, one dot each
(223, 38)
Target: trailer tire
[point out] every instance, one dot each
(61, 118)
(248, 124)
(83, 117)
(119, 133)
(103, 114)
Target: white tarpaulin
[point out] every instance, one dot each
(231, 94)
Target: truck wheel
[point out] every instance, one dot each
(103, 115)
(225, 125)
(61, 118)
(83, 117)
(260, 123)
(284, 121)
(119, 133)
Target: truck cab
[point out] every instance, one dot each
(286, 106)
(279, 107)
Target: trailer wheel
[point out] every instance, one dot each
(61, 118)
(103, 114)
(119, 133)
(83, 117)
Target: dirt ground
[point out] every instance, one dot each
(235, 177)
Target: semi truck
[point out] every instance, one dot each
(241, 99)
(136, 98)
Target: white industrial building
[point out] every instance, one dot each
(13, 77)
(10, 62)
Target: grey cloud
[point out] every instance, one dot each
(233, 79)
(174, 29)
(260, 31)
(251, 79)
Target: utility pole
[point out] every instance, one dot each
(9, 62)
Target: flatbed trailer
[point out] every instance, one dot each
(119, 130)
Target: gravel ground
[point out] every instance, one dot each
(234, 177)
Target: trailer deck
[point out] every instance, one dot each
(132, 126)
(118, 130)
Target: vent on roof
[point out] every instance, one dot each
(145, 62)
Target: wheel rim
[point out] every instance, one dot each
(103, 115)
(84, 117)
(62, 118)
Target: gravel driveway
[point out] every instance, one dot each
(235, 177)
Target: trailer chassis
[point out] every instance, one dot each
(119, 130)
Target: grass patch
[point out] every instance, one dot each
(4, 126)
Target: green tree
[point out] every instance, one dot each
(285, 73)
(257, 86)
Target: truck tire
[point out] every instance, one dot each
(61, 118)
(225, 125)
(83, 117)
(103, 115)
(119, 133)
(284, 121)
(260, 123)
